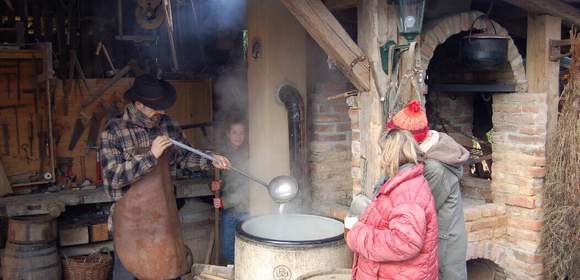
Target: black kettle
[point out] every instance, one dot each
(484, 51)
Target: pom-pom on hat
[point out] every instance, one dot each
(413, 119)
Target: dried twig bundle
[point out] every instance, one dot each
(561, 231)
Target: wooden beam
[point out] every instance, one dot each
(543, 74)
(333, 39)
(553, 7)
(338, 5)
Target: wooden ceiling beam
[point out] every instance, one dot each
(338, 5)
(553, 7)
(333, 39)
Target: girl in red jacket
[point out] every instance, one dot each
(396, 237)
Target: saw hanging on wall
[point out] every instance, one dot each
(150, 14)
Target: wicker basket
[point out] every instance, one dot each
(92, 267)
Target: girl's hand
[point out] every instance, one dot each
(218, 203)
(349, 222)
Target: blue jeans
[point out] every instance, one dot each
(229, 221)
(120, 272)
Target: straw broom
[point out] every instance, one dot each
(561, 231)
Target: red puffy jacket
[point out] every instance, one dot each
(396, 237)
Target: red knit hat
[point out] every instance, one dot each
(413, 119)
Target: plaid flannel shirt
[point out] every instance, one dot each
(125, 150)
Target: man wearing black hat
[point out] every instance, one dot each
(130, 145)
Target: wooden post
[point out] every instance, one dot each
(543, 74)
(370, 107)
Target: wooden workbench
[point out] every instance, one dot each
(54, 203)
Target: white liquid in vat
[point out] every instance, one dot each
(293, 227)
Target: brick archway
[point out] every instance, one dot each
(438, 31)
(489, 251)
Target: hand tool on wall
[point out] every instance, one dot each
(30, 136)
(9, 4)
(5, 187)
(102, 47)
(8, 87)
(83, 119)
(6, 139)
(42, 145)
(25, 148)
(17, 128)
(79, 70)
(149, 14)
(83, 168)
(95, 125)
(18, 80)
(78, 129)
(16, 119)
(65, 97)
(35, 93)
(111, 82)
(16, 106)
(170, 33)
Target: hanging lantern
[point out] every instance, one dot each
(411, 18)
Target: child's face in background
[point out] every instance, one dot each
(237, 135)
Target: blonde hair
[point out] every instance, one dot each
(397, 148)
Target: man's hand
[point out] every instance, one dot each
(160, 144)
(221, 162)
(218, 203)
(216, 185)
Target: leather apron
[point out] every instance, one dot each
(147, 228)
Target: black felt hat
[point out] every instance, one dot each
(152, 92)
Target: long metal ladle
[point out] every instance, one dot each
(282, 188)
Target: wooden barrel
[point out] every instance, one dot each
(32, 229)
(31, 262)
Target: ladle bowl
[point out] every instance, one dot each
(283, 189)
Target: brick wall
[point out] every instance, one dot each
(519, 145)
(330, 147)
(454, 108)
